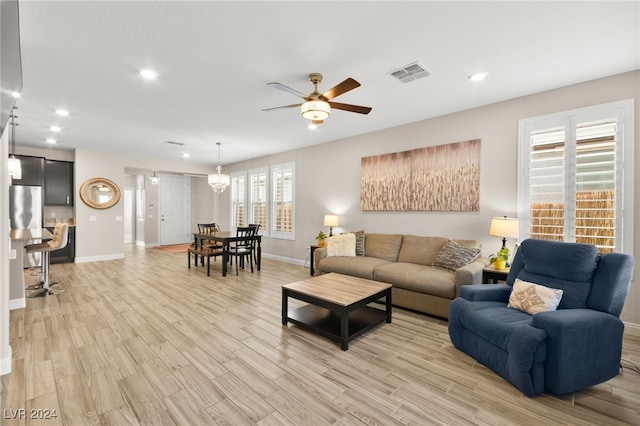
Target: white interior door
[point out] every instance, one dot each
(174, 203)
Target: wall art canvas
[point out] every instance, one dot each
(435, 178)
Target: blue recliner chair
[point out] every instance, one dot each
(574, 347)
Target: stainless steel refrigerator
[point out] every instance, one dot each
(25, 204)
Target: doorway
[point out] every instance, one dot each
(174, 201)
(129, 216)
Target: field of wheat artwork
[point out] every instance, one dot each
(435, 178)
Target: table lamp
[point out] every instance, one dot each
(504, 227)
(331, 220)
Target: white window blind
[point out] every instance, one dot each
(575, 184)
(282, 201)
(238, 200)
(258, 198)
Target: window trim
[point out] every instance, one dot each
(234, 178)
(624, 169)
(273, 232)
(264, 230)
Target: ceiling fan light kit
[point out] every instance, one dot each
(316, 110)
(317, 107)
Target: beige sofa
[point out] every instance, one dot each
(405, 261)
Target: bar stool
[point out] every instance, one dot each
(59, 241)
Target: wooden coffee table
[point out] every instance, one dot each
(337, 306)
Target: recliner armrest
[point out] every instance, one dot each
(486, 292)
(584, 347)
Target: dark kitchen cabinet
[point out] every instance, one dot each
(32, 171)
(68, 253)
(58, 183)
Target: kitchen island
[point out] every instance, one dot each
(20, 238)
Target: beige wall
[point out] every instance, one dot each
(328, 175)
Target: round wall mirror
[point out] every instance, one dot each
(100, 193)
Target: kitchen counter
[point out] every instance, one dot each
(20, 238)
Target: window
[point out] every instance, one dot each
(258, 198)
(576, 177)
(238, 201)
(282, 202)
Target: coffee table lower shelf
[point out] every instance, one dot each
(328, 323)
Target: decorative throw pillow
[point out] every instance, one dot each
(533, 298)
(454, 256)
(341, 245)
(359, 242)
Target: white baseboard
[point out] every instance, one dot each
(632, 329)
(284, 259)
(150, 245)
(5, 364)
(99, 258)
(17, 303)
(140, 243)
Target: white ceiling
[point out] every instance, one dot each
(215, 59)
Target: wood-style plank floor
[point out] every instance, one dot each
(145, 340)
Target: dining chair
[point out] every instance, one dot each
(209, 228)
(244, 247)
(255, 254)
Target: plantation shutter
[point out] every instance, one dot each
(572, 185)
(282, 202)
(237, 200)
(258, 190)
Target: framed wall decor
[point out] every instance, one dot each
(435, 178)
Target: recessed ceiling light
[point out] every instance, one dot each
(15, 94)
(62, 112)
(55, 128)
(149, 74)
(51, 141)
(479, 76)
(313, 126)
(185, 155)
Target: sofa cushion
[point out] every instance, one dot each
(418, 278)
(383, 246)
(533, 298)
(420, 250)
(454, 256)
(358, 266)
(341, 245)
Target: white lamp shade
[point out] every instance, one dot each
(331, 220)
(504, 227)
(15, 169)
(315, 110)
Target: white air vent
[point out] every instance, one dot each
(174, 143)
(410, 72)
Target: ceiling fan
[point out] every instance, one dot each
(317, 107)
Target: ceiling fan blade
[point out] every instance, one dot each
(282, 107)
(339, 89)
(288, 89)
(351, 108)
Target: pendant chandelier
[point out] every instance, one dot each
(219, 181)
(15, 169)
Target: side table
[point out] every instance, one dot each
(491, 275)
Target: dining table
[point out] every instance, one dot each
(226, 238)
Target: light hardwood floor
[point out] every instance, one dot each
(147, 341)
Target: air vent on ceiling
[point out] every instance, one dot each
(174, 143)
(410, 72)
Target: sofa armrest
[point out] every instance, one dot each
(584, 347)
(486, 292)
(470, 274)
(319, 254)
